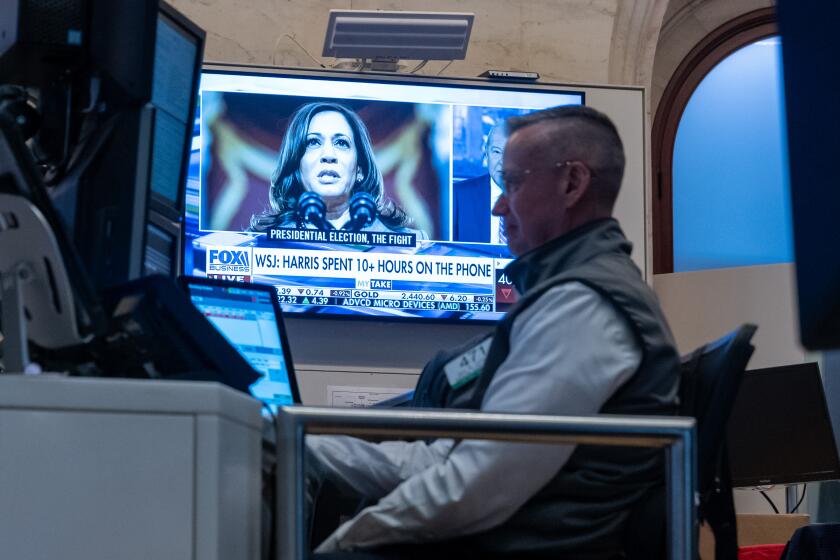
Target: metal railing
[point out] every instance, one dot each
(676, 435)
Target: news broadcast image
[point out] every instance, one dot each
(284, 188)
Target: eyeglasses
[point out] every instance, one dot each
(510, 182)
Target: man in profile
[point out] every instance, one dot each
(473, 198)
(587, 336)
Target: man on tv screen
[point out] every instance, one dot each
(471, 197)
(587, 336)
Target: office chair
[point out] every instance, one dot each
(814, 542)
(710, 378)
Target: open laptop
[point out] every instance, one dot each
(249, 317)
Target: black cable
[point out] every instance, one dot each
(418, 67)
(444, 68)
(769, 501)
(799, 503)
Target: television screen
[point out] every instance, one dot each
(355, 195)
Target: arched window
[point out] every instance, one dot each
(719, 157)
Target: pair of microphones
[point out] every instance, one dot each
(311, 209)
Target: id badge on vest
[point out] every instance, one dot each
(466, 366)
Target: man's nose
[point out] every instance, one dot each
(500, 208)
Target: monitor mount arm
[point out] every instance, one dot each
(37, 299)
(15, 345)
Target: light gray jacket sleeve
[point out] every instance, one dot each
(570, 351)
(375, 469)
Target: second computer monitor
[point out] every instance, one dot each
(780, 429)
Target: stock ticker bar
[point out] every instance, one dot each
(396, 281)
(385, 299)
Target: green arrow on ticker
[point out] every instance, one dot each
(306, 301)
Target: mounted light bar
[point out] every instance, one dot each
(398, 35)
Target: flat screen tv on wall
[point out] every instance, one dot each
(354, 194)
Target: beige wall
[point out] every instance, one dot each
(588, 41)
(702, 306)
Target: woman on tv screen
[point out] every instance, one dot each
(327, 151)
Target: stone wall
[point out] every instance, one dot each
(685, 24)
(583, 41)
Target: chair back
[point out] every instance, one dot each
(709, 382)
(711, 376)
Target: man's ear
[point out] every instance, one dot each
(580, 179)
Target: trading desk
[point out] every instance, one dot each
(129, 469)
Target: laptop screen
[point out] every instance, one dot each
(249, 318)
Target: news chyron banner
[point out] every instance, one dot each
(392, 283)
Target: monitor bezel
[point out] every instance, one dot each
(396, 78)
(187, 281)
(376, 78)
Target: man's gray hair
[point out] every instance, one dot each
(585, 134)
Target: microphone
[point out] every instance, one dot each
(311, 209)
(363, 211)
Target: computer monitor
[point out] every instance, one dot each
(115, 110)
(780, 430)
(179, 49)
(423, 150)
(114, 84)
(129, 201)
(249, 317)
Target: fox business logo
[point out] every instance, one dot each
(229, 259)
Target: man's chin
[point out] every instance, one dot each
(515, 248)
